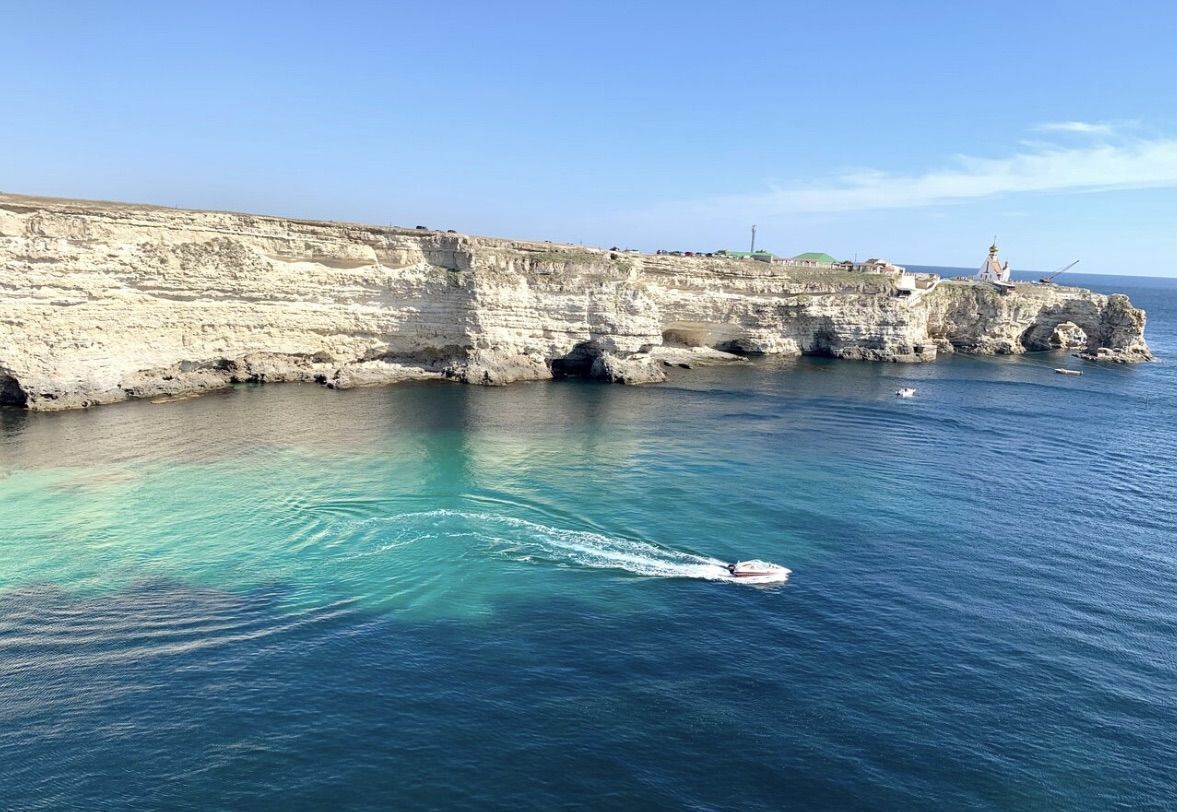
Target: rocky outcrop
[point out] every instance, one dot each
(632, 370)
(101, 302)
(984, 319)
(498, 369)
(1121, 334)
(1068, 335)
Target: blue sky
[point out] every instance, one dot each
(914, 131)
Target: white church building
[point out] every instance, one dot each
(993, 269)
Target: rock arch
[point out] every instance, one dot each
(1074, 316)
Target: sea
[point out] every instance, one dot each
(434, 596)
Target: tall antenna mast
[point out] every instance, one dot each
(752, 250)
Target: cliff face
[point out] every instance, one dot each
(979, 318)
(101, 302)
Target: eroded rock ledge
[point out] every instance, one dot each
(100, 302)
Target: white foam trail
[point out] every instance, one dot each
(526, 541)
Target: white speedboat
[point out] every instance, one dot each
(1062, 371)
(758, 572)
(905, 392)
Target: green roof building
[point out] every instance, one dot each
(816, 256)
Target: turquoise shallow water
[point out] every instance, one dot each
(444, 596)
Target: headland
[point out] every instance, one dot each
(102, 302)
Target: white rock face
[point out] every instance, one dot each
(101, 302)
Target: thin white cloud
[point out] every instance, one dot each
(1140, 164)
(1080, 127)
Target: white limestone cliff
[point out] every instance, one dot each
(101, 302)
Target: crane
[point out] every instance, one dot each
(1049, 278)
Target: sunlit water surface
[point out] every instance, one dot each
(444, 596)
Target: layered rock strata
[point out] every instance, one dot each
(100, 302)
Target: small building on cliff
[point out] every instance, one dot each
(814, 259)
(993, 269)
(881, 266)
(762, 256)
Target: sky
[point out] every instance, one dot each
(914, 131)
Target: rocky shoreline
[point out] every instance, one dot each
(103, 302)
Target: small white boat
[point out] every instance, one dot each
(1062, 371)
(905, 392)
(758, 572)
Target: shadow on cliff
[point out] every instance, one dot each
(11, 392)
(577, 363)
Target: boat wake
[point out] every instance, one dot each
(521, 540)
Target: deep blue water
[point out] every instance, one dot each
(435, 596)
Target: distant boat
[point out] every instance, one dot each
(1062, 371)
(905, 392)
